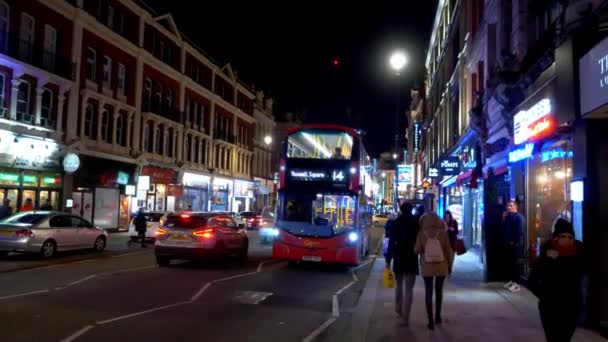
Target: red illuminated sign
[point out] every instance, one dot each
(541, 128)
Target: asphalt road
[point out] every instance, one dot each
(127, 297)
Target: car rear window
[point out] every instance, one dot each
(26, 218)
(186, 221)
(247, 213)
(153, 217)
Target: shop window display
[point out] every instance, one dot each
(549, 175)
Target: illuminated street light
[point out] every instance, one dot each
(267, 140)
(398, 61)
(383, 174)
(395, 156)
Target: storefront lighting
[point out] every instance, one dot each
(130, 190)
(525, 152)
(32, 179)
(11, 177)
(560, 174)
(45, 180)
(577, 191)
(556, 154)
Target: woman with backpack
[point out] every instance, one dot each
(433, 245)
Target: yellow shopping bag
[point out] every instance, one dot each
(388, 278)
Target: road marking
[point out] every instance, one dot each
(200, 292)
(335, 306)
(345, 287)
(24, 294)
(251, 297)
(129, 270)
(319, 330)
(119, 318)
(233, 277)
(81, 280)
(127, 254)
(77, 334)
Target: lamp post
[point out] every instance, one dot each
(267, 162)
(397, 61)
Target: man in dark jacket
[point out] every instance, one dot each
(402, 240)
(140, 226)
(514, 225)
(5, 209)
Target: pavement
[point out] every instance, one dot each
(472, 311)
(125, 296)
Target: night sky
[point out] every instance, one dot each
(288, 49)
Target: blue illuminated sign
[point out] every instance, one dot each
(521, 153)
(557, 153)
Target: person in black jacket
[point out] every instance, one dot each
(514, 226)
(556, 280)
(402, 239)
(140, 226)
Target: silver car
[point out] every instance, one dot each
(192, 235)
(47, 232)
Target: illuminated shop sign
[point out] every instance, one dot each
(417, 136)
(449, 166)
(556, 153)
(318, 175)
(533, 123)
(521, 153)
(593, 74)
(404, 174)
(433, 172)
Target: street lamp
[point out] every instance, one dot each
(267, 140)
(397, 61)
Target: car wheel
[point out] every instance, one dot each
(100, 244)
(48, 249)
(163, 261)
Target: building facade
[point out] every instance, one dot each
(117, 93)
(528, 93)
(264, 146)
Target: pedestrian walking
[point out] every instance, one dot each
(140, 226)
(513, 227)
(556, 280)
(433, 245)
(404, 232)
(46, 205)
(5, 209)
(28, 205)
(452, 226)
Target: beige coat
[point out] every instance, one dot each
(434, 226)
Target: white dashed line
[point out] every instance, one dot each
(319, 330)
(24, 294)
(200, 292)
(119, 318)
(77, 334)
(81, 280)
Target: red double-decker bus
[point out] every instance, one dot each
(324, 206)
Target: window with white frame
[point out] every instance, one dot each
(4, 25)
(120, 124)
(122, 79)
(105, 126)
(46, 108)
(157, 140)
(26, 36)
(89, 118)
(187, 150)
(166, 143)
(91, 64)
(169, 99)
(107, 72)
(158, 99)
(110, 18)
(147, 94)
(201, 116)
(147, 137)
(50, 47)
(3, 106)
(24, 97)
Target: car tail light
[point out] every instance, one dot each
(205, 233)
(24, 232)
(161, 222)
(252, 220)
(160, 232)
(184, 216)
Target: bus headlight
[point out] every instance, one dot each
(353, 237)
(272, 232)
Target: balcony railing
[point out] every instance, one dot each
(225, 136)
(41, 58)
(168, 113)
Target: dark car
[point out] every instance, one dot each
(198, 235)
(252, 219)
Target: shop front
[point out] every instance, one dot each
(160, 196)
(196, 192)
(243, 196)
(30, 169)
(98, 193)
(263, 189)
(541, 164)
(221, 194)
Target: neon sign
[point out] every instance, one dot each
(557, 153)
(522, 153)
(533, 123)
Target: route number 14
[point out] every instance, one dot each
(338, 176)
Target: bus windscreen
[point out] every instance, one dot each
(320, 144)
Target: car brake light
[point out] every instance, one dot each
(205, 233)
(24, 232)
(161, 222)
(161, 231)
(186, 216)
(251, 219)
